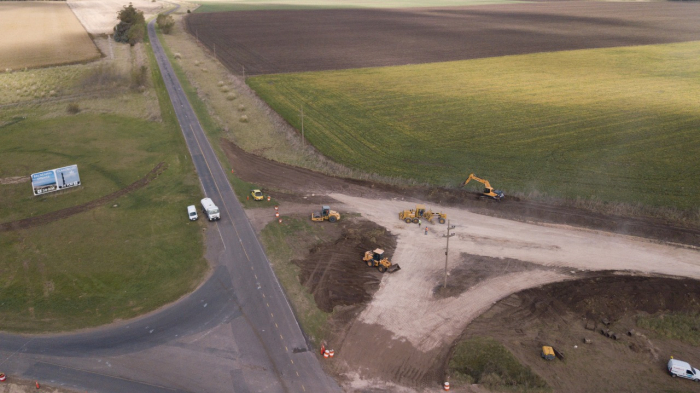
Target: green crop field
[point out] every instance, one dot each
(249, 5)
(612, 125)
(108, 263)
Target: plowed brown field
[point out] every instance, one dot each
(266, 42)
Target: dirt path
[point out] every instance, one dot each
(417, 328)
(64, 213)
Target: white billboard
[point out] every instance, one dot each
(55, 180)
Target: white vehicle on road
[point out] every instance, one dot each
(210, 209)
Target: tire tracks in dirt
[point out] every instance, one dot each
(71, 211)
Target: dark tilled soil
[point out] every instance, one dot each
(299, 182)
(65, 213)
(334, 271)
(266, 42)
(557, 315)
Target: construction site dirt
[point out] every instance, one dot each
(409, 323)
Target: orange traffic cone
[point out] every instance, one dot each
(326, 354)
(2, 377)
(268, 198)
(332, 352)
(446, 386)
(37, 384)
(323, 348)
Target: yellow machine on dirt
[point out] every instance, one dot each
(412, 216)
(489, 192)
(325, 214)
(376, 259)
(257, 195)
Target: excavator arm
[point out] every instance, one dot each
(480, 180)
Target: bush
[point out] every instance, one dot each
(73, 108)
(132, 25)
(139, 77)
(165, 23)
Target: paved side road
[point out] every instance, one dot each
(235, 333)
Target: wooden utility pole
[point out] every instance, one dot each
(302, 126)
(447, 248)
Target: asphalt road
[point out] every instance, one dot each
(236, 333)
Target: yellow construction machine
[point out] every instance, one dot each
(489, 192)
(325, 214)
(376, 259)
(412, 216)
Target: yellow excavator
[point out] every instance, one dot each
(489, 192)
(377, 259)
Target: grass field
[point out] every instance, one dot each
(37, 34)
(250, 5)
(108, 263)
(485, 361)
(614, 125)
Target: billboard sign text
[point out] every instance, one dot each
(55, 180)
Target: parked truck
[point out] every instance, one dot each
(210, 209)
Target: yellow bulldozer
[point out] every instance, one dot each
(412, 216)
(377, 259)
(489, 191)
(325, 214)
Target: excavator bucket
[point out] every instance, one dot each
(394, 268)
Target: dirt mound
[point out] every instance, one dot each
(334, 272)
(569, 316)
(65, 213)
(271, 174)
(473, 269)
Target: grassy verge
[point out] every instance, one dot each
(222, 6)
(487, 362)
(602, 124)
(684, 327)
(109, 263)
(283, 243)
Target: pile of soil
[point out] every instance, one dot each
(570, 316)
(334, 271)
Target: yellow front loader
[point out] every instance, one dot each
(376, 259)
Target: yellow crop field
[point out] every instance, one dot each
(37, 34)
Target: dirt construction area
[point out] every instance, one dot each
(409, 323)
(266, 42)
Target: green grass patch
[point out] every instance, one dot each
(249, 5)
(487, 362)
(612, 125)
(283, 243)
(684, 327)
(109, 263)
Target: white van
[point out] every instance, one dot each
(192, 213)
(210, 209)
(679, 368)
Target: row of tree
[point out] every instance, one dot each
(132, 25)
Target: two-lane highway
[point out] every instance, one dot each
(235, 333)
(260, 296)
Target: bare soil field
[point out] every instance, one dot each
(39, 34)
(100, 17)
(558, 314)
(266, 42)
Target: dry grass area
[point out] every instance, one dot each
(39, 34)
(100, 16)
(109, 85)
